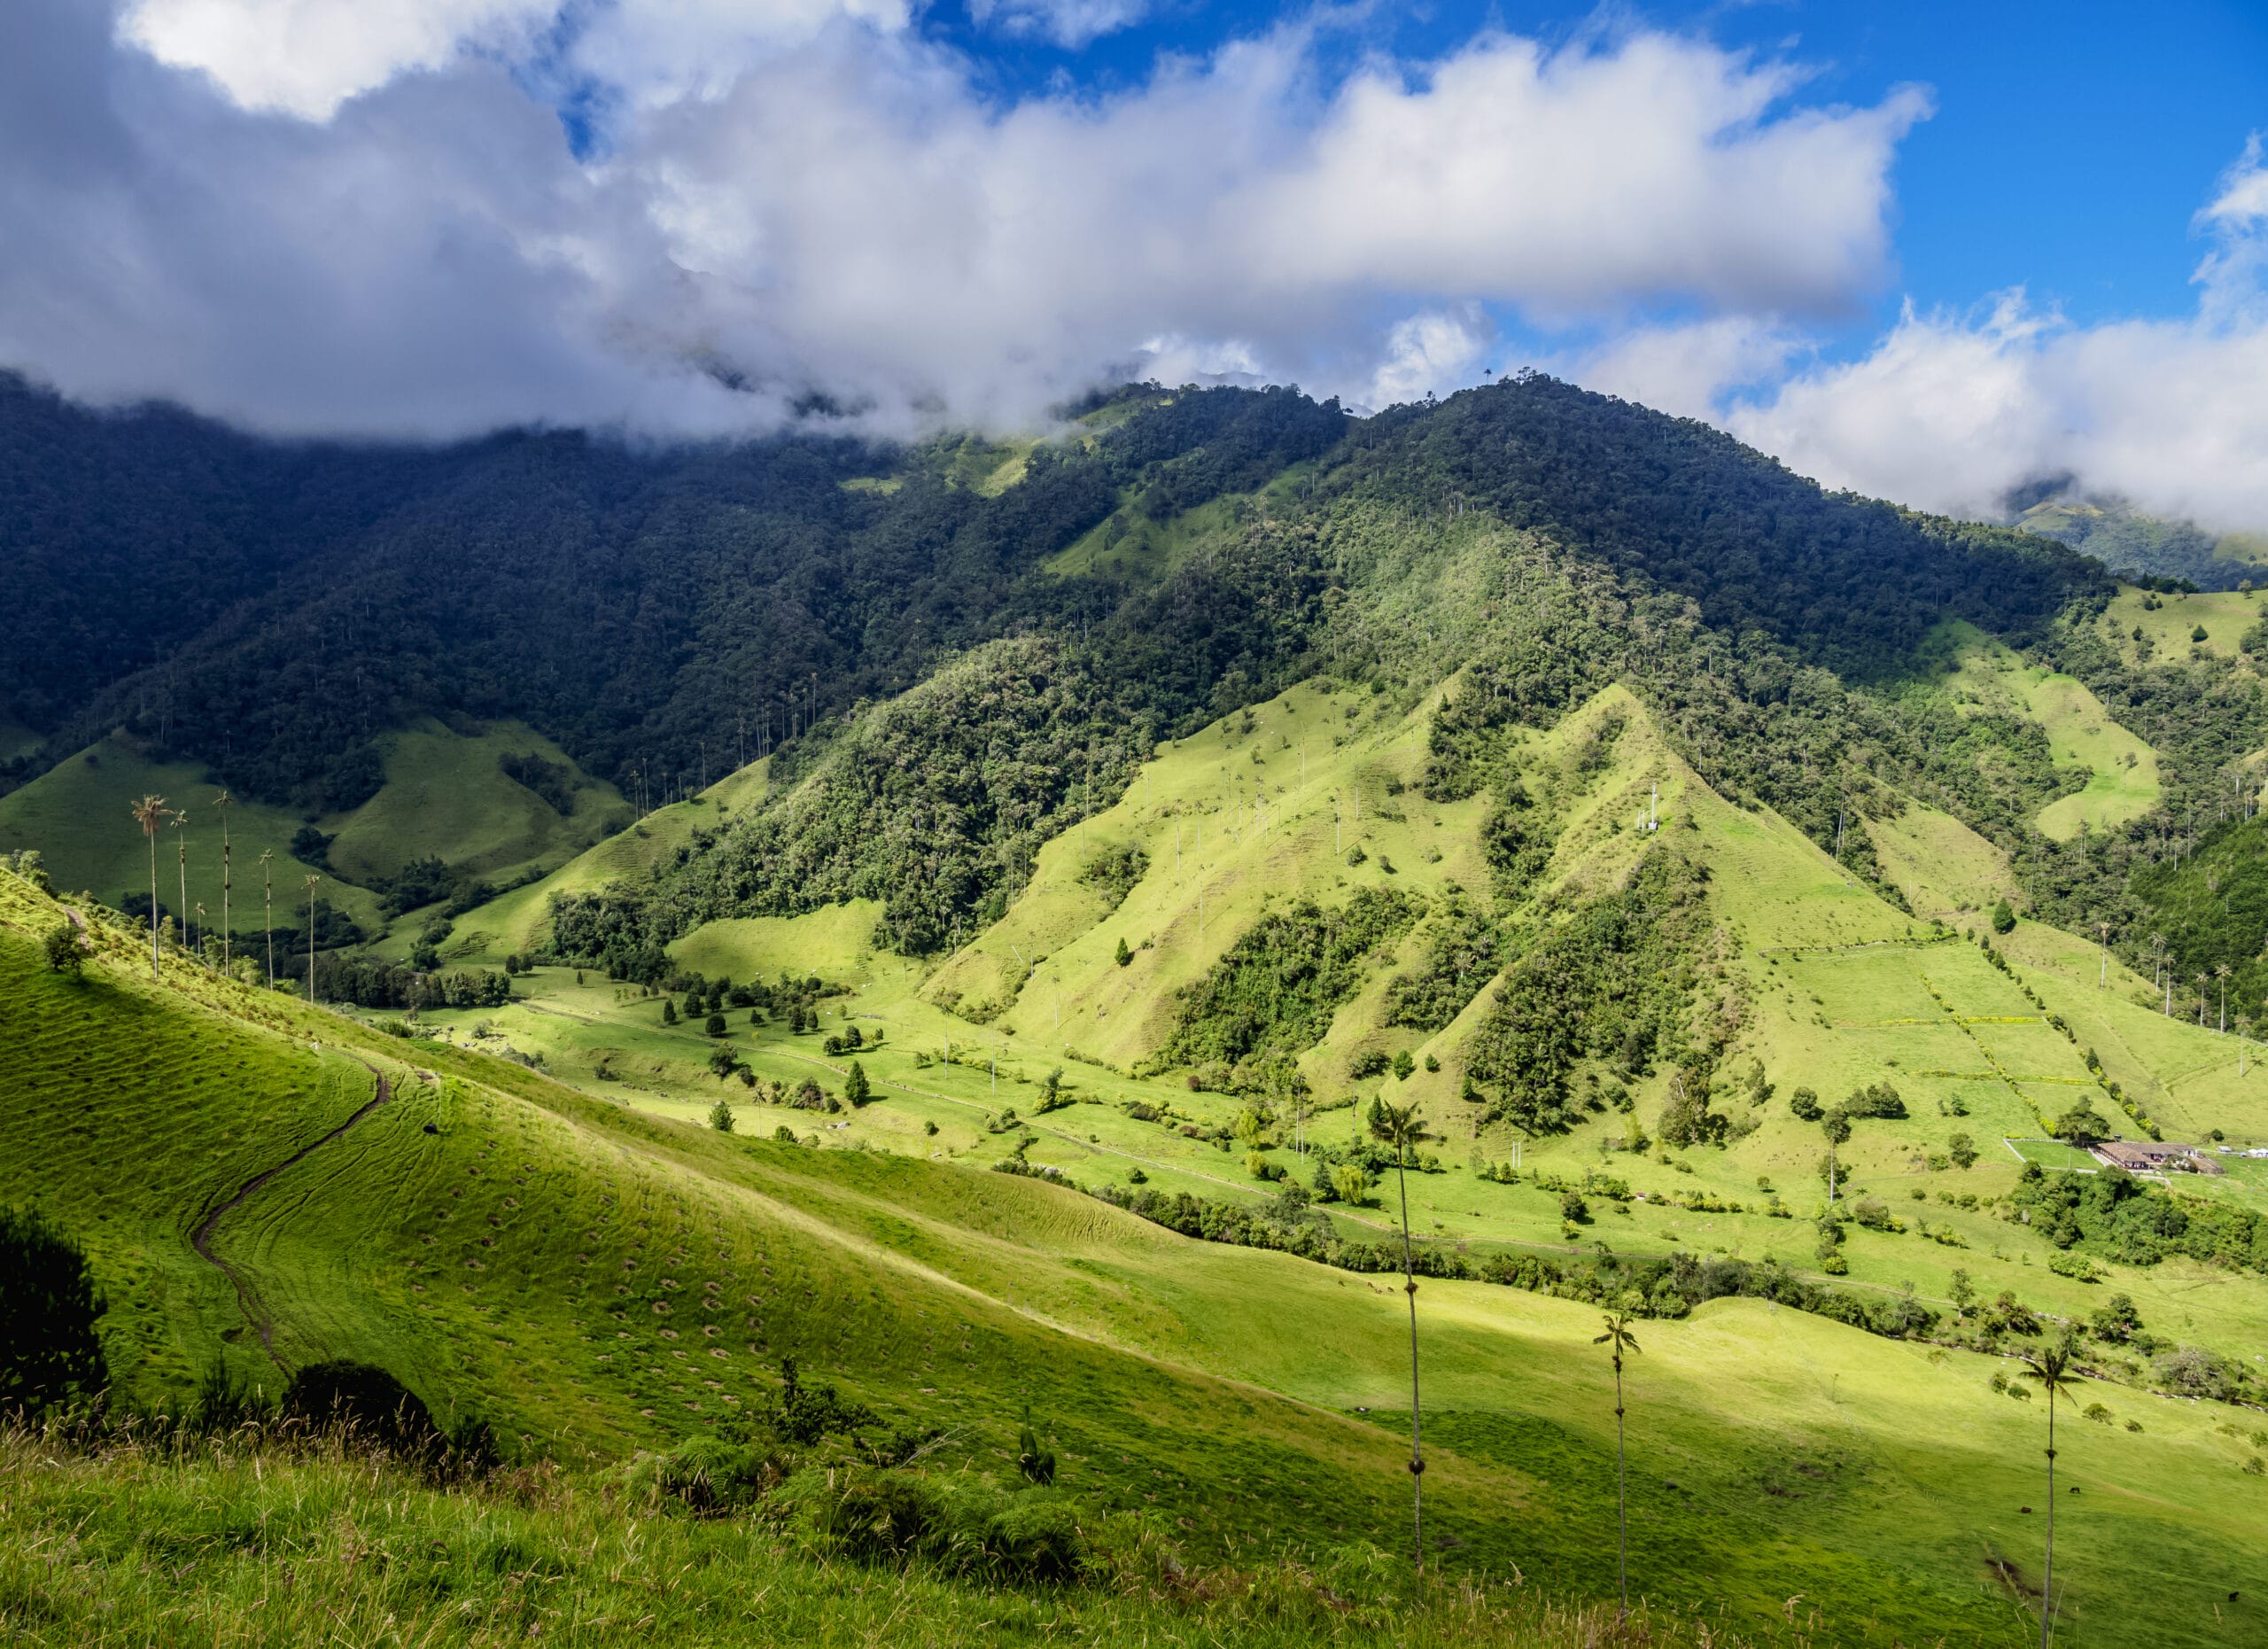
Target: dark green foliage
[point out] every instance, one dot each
(669, 1011)
(366, 1401)
(554, 781)
(2166, 555)
(1275, 990)
(856, 1089)
(1610, 981)
(1114, 871)
(372, 981)
(63, 950)
(1877, 1099)
(714, 1025)
(1462, 953)
(2117, 1216)
(803, 1414)
(1123, 956)
(720, 1116)
(1669, 1286)
(50, 1352)
(2004, 919)
(1674, 504)
(2081, 1125)
(1806, 1105)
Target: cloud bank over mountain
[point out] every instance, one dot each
(429, 218)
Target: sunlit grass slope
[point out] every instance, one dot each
(557, 1264)
(444, 794)
(76, 815)
(2123, 782)
(2170, 626)
(519, 920)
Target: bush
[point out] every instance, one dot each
(960, 1525)
(720, 1116)
(64, 951)
(49, 1353)
(1806, 1105)
(372, 1406)
(2194, 1372)
(2004, 918)
(708, 1474)
(715, 1025)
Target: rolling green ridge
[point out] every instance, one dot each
(514, 1264)
(949, 914)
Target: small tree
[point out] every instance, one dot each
(1619, 1341)
(1962, 1148)
(715, 1025)
(2082, 1126)
(2004, 917)
(48, 1349)
(723, 1062)
(720, 1116)
(1963, 1292)
(1123, 956)
(1836, 1124)
(1350, 1182)
(64, 951)
(668, 1010)
(855, 1085)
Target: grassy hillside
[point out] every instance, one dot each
(474, 1261)
(444, 794)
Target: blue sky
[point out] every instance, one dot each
(1933, 251)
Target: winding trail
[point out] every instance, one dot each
(201, 1238)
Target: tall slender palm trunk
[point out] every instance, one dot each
(152, 835)
(1417, 1432)
(181, 843)
(2048, 1573)
(1621, 1498)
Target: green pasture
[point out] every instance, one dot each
(2122, 772)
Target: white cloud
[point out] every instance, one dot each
(1068, 23)
(1952, 411)
(812, 195)
(1431, 353)
(305, 57)
(1686, 369)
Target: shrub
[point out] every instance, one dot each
(64, 951)
(708, 1474)
(855, 1088)
(1806, 1105)
(2004, 917)
(2194, 1372)
(962, 1525)
(720, 1116)
(371, 1405)
(49, 1350)
(669, 1011)
(715, 1025)
(785, 1135)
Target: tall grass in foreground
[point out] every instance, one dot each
(241, 1541)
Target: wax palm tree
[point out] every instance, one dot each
(312, 880)
(2201, 998)
(181, 844)
(205, 956)
(1403, 1128)
(268, 902)
(2222, 972)
(148, 813)
(2055, 1368)
(1620, 1341)
(221, 803)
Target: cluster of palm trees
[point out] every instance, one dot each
(151, 814)
(1403, 1128)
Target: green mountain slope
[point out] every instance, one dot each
(558, 1265)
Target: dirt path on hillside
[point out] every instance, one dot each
(201, 1238)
